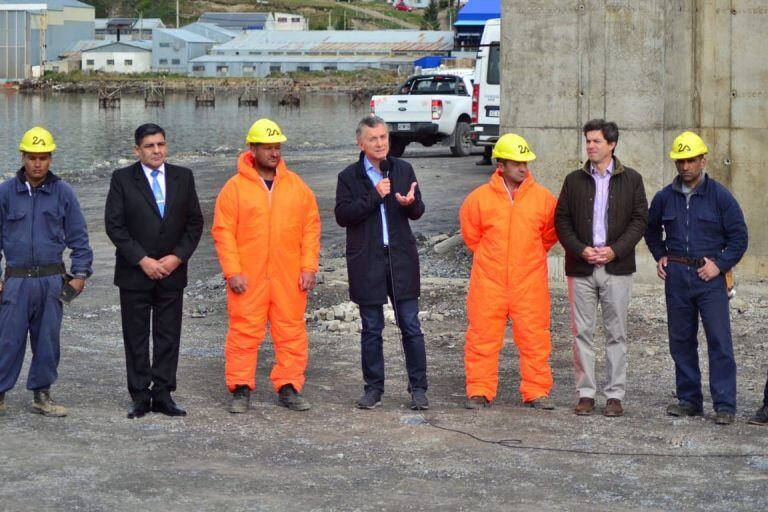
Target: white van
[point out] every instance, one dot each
(486, 94)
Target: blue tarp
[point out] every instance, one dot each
(477, 12)
(430, 61)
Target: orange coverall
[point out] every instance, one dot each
(510, 240)
(270, 237)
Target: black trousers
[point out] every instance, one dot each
(164, 307)
(765, 396)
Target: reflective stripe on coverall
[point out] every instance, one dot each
(509, 279)
(270, 237)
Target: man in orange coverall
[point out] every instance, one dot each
(266, 228)
(508, 224)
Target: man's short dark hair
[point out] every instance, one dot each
(370, 122)
(146, 130)
(609, 129)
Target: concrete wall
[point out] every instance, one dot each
(656, 67)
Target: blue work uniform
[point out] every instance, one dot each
(36, 225)
(707, 221)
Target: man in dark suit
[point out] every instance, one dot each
(153, 217)
(376, 197)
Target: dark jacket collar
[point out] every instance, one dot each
(677, 185)
(21, 185)
(618, 167)
(361, 165)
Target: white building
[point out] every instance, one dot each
(261, 52)
(288, 21)
(119, 57)
(141, 29)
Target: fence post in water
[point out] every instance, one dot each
(207, 97)
(109, 97)
(154, 95)
(249, 96)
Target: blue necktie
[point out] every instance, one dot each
(159, 198)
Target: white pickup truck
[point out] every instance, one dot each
(429, 108)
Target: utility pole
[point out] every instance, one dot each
(177, 13)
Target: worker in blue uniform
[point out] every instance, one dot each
(696, 232)
(39, 218)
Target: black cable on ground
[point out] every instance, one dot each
(517, 444)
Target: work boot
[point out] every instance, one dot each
(241, 399)
(543, 402)
(3, 410)
(291, 398)
(370, 400)
(683, 409)
(44, 404)
(613, 408)
(419, 400)
(760, 417)
(477, 402)
(724, 418)
(585, 407)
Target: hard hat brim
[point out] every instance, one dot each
(27, 149)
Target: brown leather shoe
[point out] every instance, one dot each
(585, 407)
(613, 408)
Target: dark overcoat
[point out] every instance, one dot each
(358, 210)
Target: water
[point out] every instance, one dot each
(88, 137)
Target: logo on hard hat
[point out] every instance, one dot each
(683, 147)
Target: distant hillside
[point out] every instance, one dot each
(352, 14)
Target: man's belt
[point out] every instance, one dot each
(685, 260)
(41, 271)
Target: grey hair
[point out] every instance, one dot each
(371, 121)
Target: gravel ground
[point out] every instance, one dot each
(336, 457)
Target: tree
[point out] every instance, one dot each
(430, 21)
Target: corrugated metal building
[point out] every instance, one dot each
(118, 57)
(69, 59)
(261, 53)
(32, 33)
(210, 31)
(142, 29)
(174, 48)
(239, 21)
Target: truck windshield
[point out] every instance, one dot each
(432, 85)
(493, 76)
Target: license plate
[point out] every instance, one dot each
(492, 112)
(403, 127)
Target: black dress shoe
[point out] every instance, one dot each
(138, 409)
(169, 408)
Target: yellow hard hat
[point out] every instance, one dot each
(687, 145)
(265, 131)
(511, 146)
(37, 140)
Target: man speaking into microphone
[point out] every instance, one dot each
(375, 199)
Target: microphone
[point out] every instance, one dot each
(384, 166)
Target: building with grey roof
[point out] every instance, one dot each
(118, 57)
(260, 53)
(210, 31)
(141, 28)
(33, 33)
(239, 21)
(173, 48)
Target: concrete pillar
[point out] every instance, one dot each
(656, 68)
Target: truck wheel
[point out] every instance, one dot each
(463, 144)
(396, 147)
